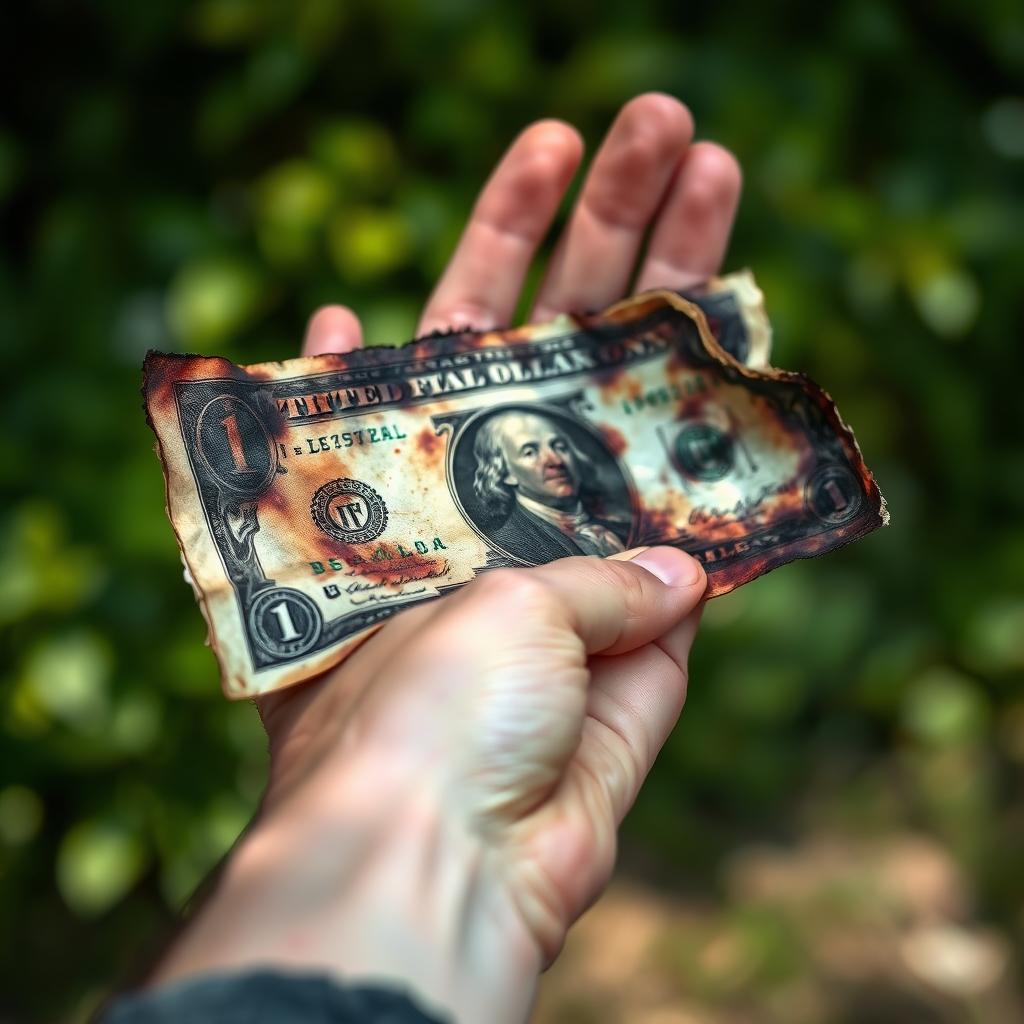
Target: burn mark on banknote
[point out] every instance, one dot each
(584, 436)
(615, 439)
(429, 443)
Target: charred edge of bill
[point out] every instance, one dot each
(438, 342)
(161, 369)
(158, 376)
(814, 391)
(727, 579)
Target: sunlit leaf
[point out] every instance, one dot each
(994, 640)
(367, 243)
(212, 299)
(97, 864)
(21, 814)
(361, 154)
(69, 675)
(944, 706)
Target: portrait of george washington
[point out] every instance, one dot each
(542, 486)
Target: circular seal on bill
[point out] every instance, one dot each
(349, 510)
(704, 452)
(284, 622)
(833, 495)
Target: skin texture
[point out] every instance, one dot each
(444, 805)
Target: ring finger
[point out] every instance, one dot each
(692, 231)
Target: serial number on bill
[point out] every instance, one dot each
(668, 394)
(346, 439)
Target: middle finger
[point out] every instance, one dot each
(595, 257)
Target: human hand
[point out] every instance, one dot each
(444, 805)
(647, 176)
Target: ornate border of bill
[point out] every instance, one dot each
(313, 499)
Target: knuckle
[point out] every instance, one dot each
(677, 676)
(627, 739)
(634, 592)
(615, 771)
(530, 179)
(701, 201)
(644, 151)
(513, 587)
(674, 670)
(539, 173)
(596, 571)
(620, 577)
(651, 134)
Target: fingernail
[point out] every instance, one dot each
(674, 568)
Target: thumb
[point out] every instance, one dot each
(620, 603)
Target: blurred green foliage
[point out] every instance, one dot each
(201, 175)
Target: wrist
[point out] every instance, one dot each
(378, 887)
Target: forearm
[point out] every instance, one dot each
(380, 890)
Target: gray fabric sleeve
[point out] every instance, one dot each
(264, 997)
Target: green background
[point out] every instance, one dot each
(200, 176)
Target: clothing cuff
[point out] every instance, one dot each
(265, 997)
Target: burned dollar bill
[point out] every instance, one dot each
(314, 499)
(734, 309)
